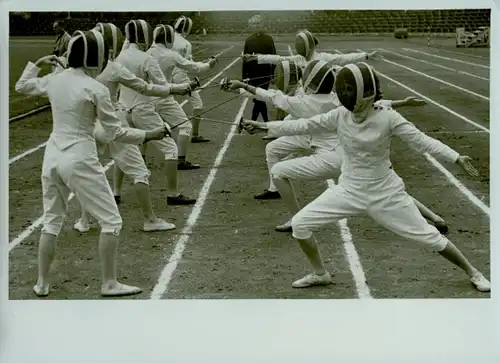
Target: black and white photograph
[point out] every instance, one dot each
(323, 154)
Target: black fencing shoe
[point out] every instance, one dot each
(180, 200)
(268, 195)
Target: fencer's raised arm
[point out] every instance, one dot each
(419, 141)
(30, 84)
(326, 122)
(111, 124)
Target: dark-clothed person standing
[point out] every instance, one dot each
(260, 75)
(62, 41)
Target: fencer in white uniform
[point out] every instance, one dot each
(182, 27)
(143, 114)
(305, 46)
(128, 159)
(71, 162)
(368, 184)
(324, 157)
(168, 108)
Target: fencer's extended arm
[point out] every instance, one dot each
(275, 58)
(129, 80)
(326, 122)
(112, 129)
(189, 65)
(289, 104)
(392, 104)
(342, 59)
(419, 141)
(30, 84)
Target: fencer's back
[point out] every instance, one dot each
(166, 59)
(73, 108)
(135, 61)
(110, 78)
(183, 47)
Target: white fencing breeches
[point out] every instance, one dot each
(128, 159)
(282, 147)
(145, 117)
(384, 200)
(68, 171)
(321, 165)
(173, 114)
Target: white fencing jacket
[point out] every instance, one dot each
(143, 66)
(304, 106)
(366, 145)
(77, 101)
(184, 48)
(169, 59)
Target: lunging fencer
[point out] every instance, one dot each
(168, 108)
(142, 110)
(324, 154)
(71, 162)
(305, 46)
(181, 45)
(368, 184)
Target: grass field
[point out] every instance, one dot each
(225, 246)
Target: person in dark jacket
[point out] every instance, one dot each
(260, 75)
(63, 38)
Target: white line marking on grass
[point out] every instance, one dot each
(436, 65)
(446, 58)
(456, 132)
(431, 101)
(28, 231)
(352, 257)
(437, 79)
(462, 54)
(462, 188)
(161, 286)
(27, 152)
(32, 150)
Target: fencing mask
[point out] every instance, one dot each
(139, 32)
(88, 50)
(319, 77)
(112, 36)
(183, 25)
(164, 34)
(305, 43)
(286, 76)
(357, 86)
